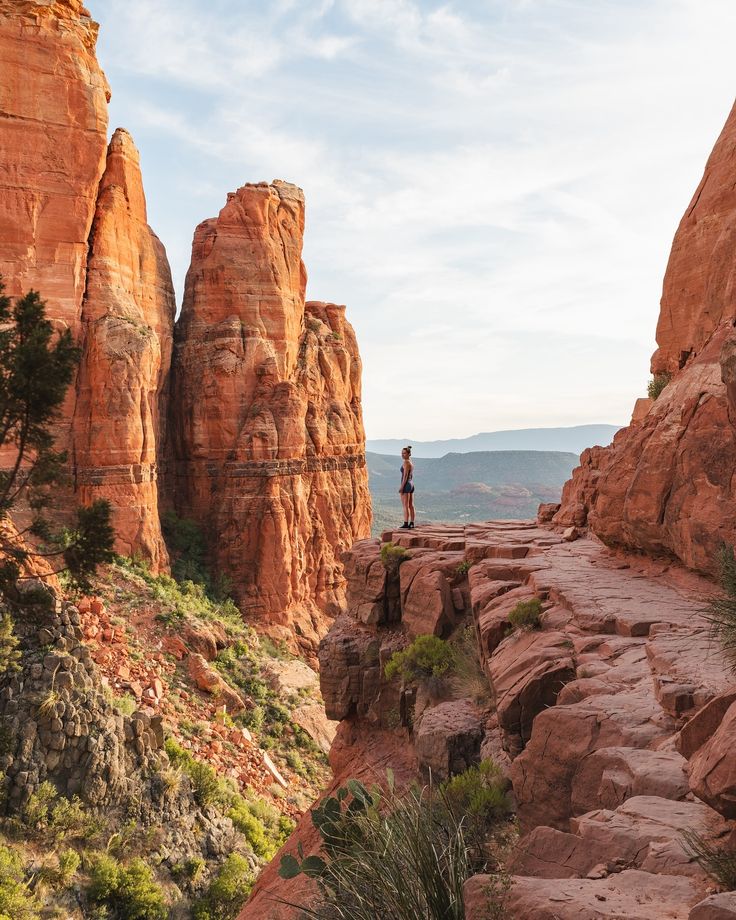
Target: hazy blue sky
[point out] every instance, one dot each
(492, 185)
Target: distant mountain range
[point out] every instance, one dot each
(573, 440)
(473, 486)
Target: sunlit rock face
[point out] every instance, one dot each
(122, 388)
(266, 423)
(666, 483)
(53, 137)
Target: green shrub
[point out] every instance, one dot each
(718, 862)
(227, 892)
(9, 654)
(469, 680)
(57, 816)
(425, 658)
(17, 902)
(392, 556)
(463, 568)
(262, 825)
(207, 787)
(657, 384)
(721, 611)
(479, 792)
(130, 891)
(526, 614)
(385, 855)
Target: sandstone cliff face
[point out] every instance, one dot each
(81, 239)
(122, 386)
(267, 434)
(53, 96)
(665, 485)
(700, 284)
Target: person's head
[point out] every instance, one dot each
(406, 452)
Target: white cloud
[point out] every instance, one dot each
(492, 187)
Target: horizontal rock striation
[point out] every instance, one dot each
(267, 433)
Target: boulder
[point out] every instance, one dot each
(448, 738)
(713, 767)
(209, 681)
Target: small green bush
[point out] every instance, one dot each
(17, 902)
(721, 611)
(261, 824)
(57, 816)
(657, 384)
(526, 614)
(392, 556)
(479, 792)
(463, 568)
(207, 787)
(130, 891)
(227, 892)
(427, 657)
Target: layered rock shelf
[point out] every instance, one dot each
(612, 719)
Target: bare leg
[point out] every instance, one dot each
(405, 505)
(410, 503)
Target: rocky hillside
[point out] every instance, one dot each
(260, 407)
(155, 751)
(603, 708)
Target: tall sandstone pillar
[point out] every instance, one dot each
(122, 385)
(81, 240)
(266, 424)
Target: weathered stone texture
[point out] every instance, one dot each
(268, 437)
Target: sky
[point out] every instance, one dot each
(492, 186)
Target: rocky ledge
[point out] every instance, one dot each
(613, 717)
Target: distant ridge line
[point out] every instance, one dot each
(572, 439)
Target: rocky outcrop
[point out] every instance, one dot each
(81, 239)
(122, 386)
(53, 96)
(664, 485)
(268, 441)
(699, 291)
(613, 716)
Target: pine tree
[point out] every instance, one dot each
(36, 368)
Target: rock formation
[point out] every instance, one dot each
(665, 484)
(81, 239)
(122, 386)
(53, 96)
(268, 441)
(613, 719)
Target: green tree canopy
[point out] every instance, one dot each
(36, 367)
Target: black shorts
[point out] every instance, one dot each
(408, 488)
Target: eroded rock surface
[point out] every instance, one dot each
(664, 485)
(122, 387)
(592, 711)
(268, 437)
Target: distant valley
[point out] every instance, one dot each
(474, 486)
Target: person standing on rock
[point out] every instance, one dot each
(407, 489)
